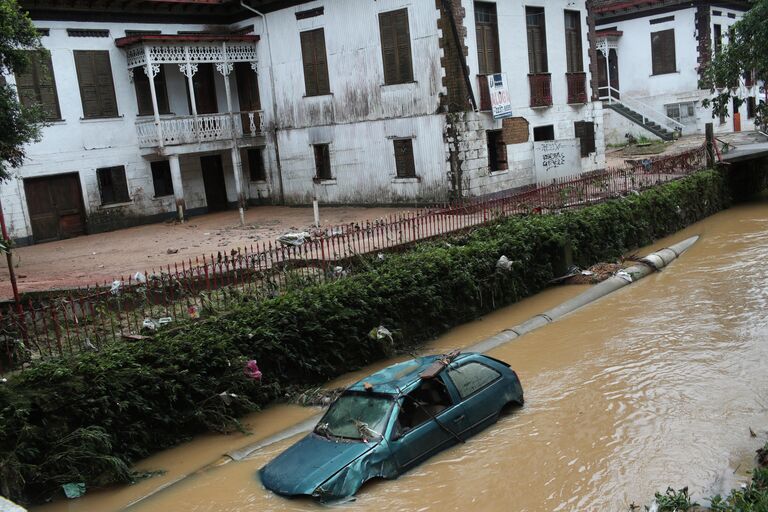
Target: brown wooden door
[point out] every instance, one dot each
(55, 205)
(213, 181)
(205, 90)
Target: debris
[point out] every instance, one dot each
(164, 321)
(380, 333)
(752, 432)
(762, 456)
(504, 263)
(193, 312)
(3, 380)
(316, 396)
(227, 397)
(339, 272)
(115, 288)
(139, 277)
(621, 274)
(380, 255)
(73, 490)
(136, 337)
(252, 370)
(295, 239)
(150, 324)
(87, 345)
(171, 251)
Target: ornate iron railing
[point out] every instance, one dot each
(577, 87)
(541, 89)
(202, 128)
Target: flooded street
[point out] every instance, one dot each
(654, 385)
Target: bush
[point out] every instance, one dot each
(85, 419)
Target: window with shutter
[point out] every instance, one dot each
(113, 186)
(487, 28)
(663, 52)
(585, 132)
(256, 170)
(144, 93)
(322, 162)
(161, 178)
(573, 48)
(37, 85)
(315, 62)
(94, 76)
(537, 39)
(396, 47)
(404, 158)
(497, 151)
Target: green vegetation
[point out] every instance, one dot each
(85, 419)
(19, 124)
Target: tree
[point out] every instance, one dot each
(19, 124)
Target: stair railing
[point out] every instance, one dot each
(648, 113)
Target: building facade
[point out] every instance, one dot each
(654, 54)
(168, 109)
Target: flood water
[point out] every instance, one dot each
(657, 384)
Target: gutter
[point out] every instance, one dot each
(274, 98)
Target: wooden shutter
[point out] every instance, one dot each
(585, 132)
(37, 85)
(144, 93)
(97, 91)
(404, 162)
(487, 29)
(537, 39)
(663, 52)
(396, 46)
(315, 61)
(573, 48)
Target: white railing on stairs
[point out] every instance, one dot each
(201, 128)
(648, 113)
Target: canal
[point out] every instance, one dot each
(657, 384)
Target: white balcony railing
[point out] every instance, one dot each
(203, 128)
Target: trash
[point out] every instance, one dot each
(193, 312)
(339, 272)
(622, 274)
(294, 239)
(171, 251)
(587, 273)
(504, 263)
(380, 255)
(73, 490)
(115, 288)
(752, 432)
(252, 370)
(139, 277)
(380, 333)
(90, 346)
(164, 321)
(136, 337)
(150, 324)
(3, 380)
(227, 397)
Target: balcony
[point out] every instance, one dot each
(577, 87)
(176, 130)
(541, 89)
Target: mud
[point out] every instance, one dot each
(657, 384)
(91, 259)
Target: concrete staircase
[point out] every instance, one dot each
(663, 132)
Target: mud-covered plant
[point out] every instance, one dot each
(674, 500)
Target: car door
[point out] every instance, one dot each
(481, 389)
(433, 430)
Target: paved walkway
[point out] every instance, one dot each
(106, 256)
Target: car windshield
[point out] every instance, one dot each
(356, 416)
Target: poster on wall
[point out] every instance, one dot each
(557, 159)
(501, 103)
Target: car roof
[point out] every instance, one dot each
(400, 376)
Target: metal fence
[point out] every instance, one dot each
(129, 308)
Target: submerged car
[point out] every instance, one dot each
(391, 421)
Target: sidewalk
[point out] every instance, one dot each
(106, 256)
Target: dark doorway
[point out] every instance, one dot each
(213, 181)
(55, 205)
(205, 90)
(602, 75)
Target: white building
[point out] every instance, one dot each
(166, 109)
(657, 51)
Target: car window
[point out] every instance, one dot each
(356, 416)
(422, 404)
(471, 377)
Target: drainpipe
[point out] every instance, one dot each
(272, 93)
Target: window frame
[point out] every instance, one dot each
(313, 41)
(462, 397)
(533, 62)
(400, 47)
(483, 66)
(325, 156)
(260, 168)
(117, 198)
(588, 145)
(658, 65)
(155, 169)
(409, 171)
(496, 145)
(572, 35)
(102, 92)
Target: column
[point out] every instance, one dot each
(152, 70)
(225, 68)
(188, 70)
(178, 187)
(237, 168)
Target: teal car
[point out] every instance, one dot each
(389, 422)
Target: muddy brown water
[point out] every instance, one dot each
(654, 385)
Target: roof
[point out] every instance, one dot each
(393, 379)
(175, 38)
(638, 8)
(609, 33)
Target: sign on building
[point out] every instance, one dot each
(556, 159)
(501, 103)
